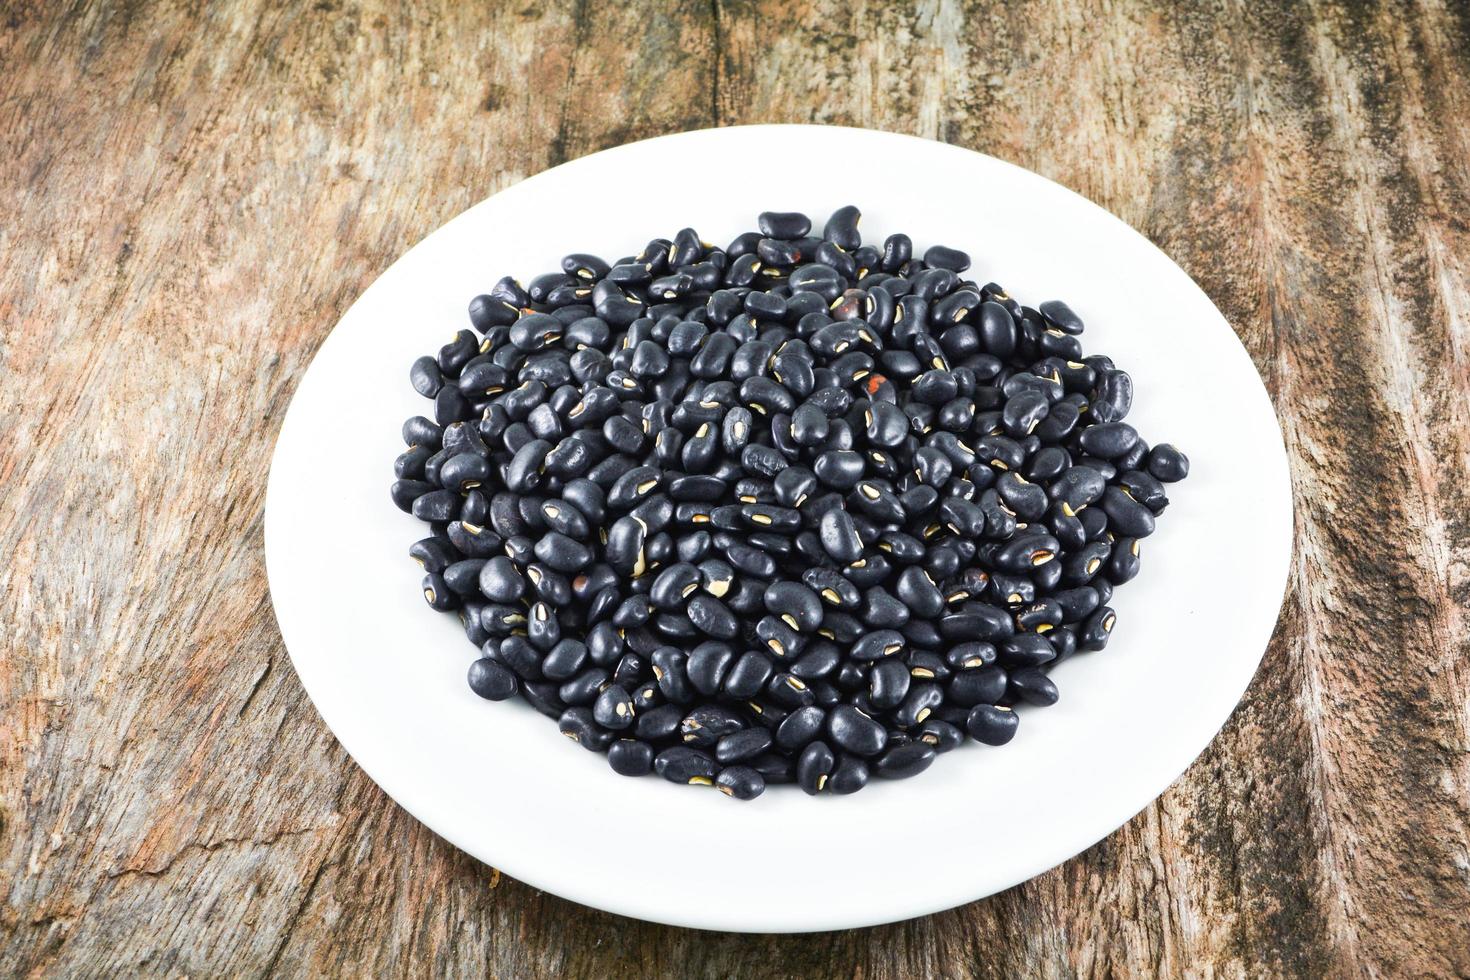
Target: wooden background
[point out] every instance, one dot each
(192, 194)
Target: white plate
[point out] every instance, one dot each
(388, 674)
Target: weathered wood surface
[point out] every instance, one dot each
(192, 194)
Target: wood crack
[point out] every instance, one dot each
(255, 686)
(210, 847)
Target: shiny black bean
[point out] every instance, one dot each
(562, 553)
(435, 505)
(682, 764)
(1024, 412)
(1126, 515)
(986, 685)
(970, 655)
(577, 724)
(410, 464)
(566, 660)
(543, 697)
(799, 728)
(707, 665)
(814, 767)
(998, 332)
(674, 585)
(789, 692)
(780, 639)
(1078, 486)
(630, 757)
(433, 554)
(940, 257)
(1167, 464)
(613, 708)
(463, 576)
(707, 724)
(712, 617)
(1060, 316)
(942, 735)
(1113, 398)
(1031, 685)
(1108, 440)
(491, 680)
(977, 620)
(853, 731)
(1028, 500)
(796, 604)
(992, 724)
(746, 743)
(1096, 629)
(740, 782)
(1023, 553)
(426, 376)
(842, 228)
(903, 761)
(1123, 563)
(880, 609)
(1026, 650)
(889, 682)
(1078, 603)
(920, 701)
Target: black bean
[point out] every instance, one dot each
(1126, 515)
(941, 734)
(436, 505)
(1096, 630)
(426, 376)
(747, 743)
(1078, 486)
(707, 724)
(1026, 650)
(1113, 398)
(682, 764)
(1167, 463)
(712, 617)
(985, 685)
(923, 697)
(1060, 316)
(800, 727)
(613, 708)
(952, 259)
(501, 581)
(562, 553)
(630, 757)
(1031, 685)
(577, 724)
(740, 782)
(1123, 563)
(842, 228)
(1023, 553)
(707, 665)
(903, 761)
(839, 536)
(814, 767)
(853, 731)
(783, 224)
(491, 680)
(992, 724)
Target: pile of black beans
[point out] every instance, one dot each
(798, 509)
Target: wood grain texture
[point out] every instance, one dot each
(192, 194)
